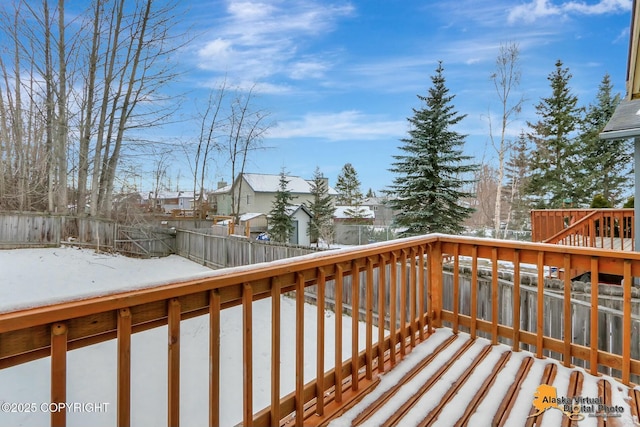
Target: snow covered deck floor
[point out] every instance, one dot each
(452, 380)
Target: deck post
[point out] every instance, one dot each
(434, 294)
(636, 207)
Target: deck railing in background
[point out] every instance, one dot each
(596, 228)
(397, 287)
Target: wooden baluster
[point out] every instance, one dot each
(320, 342)
(275, 351)
(173, 320)
(403, 303)
(421, 292)
(58, 374)
(412, 297)
(393, 324)
(214, 358)
(369, 321)
(355, 317)
(626, 323)
(568, 333)
(338, 338)
(593, 357)
(474, 290)
(247, 354)
(382, 286)
(540, 306)
(124, 367)
(494, 296)
(456, 287)
(516, 300)
(299, 349)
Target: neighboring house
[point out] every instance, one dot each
(349, 230)
(383, 215)
(256, 193)
(341, 217)
(166, 201)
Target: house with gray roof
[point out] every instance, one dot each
(256, 193)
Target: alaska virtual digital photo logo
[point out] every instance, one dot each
(576, 407)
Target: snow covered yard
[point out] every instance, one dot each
(31, 277)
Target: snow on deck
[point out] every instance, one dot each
(447, 372)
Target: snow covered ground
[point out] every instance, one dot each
(33, 277)
(30, 277)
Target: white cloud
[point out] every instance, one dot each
(217, 48)
(342, 126)
(307, 69)
(261, 40)
(537, 9)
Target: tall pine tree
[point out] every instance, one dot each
(321, 208)
(428, 192)
(349, 193)
(605, 163)
(553, 165)
(280, 223)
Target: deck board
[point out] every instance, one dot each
(470, 382)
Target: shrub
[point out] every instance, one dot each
(599, 202)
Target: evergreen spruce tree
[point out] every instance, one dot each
(348, 186)
(553, 165)
(349, 194)
(322, 210)
(280, 223)
(606, 164)
(428, 192)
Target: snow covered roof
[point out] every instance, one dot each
(365, 211)
(171, 195)
(222, 190)
(250, 216)
(264, 183)
(292, 209)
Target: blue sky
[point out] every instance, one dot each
(340, 78)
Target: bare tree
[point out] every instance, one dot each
(161, 164)
(506, 78)
(247, 127)
(483, 202)
(94, 87)
(207, 140)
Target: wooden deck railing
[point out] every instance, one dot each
(596, 228)
(602, 228)
(396, 287)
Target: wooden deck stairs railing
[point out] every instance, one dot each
(611, 229)
(397, 287)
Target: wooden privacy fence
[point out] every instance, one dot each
(145, 241)
(394, 269)
(208, 248)
(30, 229)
